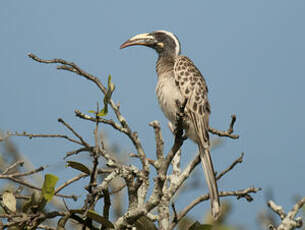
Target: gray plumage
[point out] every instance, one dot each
(179, 79)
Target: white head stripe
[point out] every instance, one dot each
(177, 43)
(141, 36)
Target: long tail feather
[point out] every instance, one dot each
(208, 168)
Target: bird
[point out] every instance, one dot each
(180, 81)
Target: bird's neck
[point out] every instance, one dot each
(165, 63)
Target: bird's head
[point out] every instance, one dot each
(164, 42)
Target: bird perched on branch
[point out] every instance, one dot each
(179, 80)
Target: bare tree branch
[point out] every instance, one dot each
(16, 164)
(101, 120)
(240, 193)
(237, 161)
(229, 131)
(74, 132)
(159, 139)
(68, 182)
(289, 222)
(77, 151)
(15, 178)
(165, 185)
(70, 66)
(30, 136)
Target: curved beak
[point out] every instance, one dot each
(140, 39)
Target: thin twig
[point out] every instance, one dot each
(23, 182)
(74, 132)
(31, 172)
(17, 163)
(72, 180)
(229, 131)
(101, 120)
(93, 196)
(237, 161)
(77, 151)
(159, 139)
(31, 135)
(296, 208)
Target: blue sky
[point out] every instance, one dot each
(251, 52)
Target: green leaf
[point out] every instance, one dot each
(94, 216)
(48, 187)
(92, 111)
(78, 166)
(198, 226)
(107, 98)
(100, 219)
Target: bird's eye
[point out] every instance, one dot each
(160, 44)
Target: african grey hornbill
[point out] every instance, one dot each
(180, 80)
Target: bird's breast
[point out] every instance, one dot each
(168, 94)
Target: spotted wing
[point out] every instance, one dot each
(193, 87)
